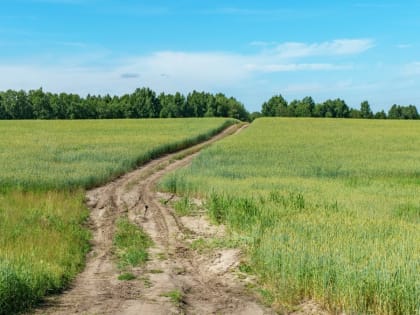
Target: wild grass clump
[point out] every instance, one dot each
(131, 244)
(329, 209)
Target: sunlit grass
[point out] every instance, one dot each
(131, 244)
(330, 208)
(44, 168)
(62, 154)
(42, 245)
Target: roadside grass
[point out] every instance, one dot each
(131, 244)
(42, 245)
(45, 167)
(184, 206)
(328, 209)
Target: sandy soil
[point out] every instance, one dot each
(206, 281)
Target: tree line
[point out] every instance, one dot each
(145, 103)
(336, 108)
(142, 103)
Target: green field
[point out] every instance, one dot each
(327, 210)
(65, 153)
(45, 167)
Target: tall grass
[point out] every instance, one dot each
(44, 168)
(42, 245)
(330, 209)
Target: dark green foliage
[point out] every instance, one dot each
(355, 113)
(337, 108)
(142, 103)
(380, 115)
(275, 106)
(332, 109)
(365, 111)
(305, 107)
(403, 112)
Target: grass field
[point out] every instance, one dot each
(327, 210)
(44, 168)
(62, 154)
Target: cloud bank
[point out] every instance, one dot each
(172, 71)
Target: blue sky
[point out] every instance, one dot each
(251, 50)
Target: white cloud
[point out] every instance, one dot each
(296, 67)
(98, 72)
(333, 48)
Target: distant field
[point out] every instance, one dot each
(63, 154)
(44, 168)
(328, 210)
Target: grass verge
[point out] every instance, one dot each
(42, 245)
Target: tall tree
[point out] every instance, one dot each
(395, 112)
(365, 111)
(275, 106)
(305, 107)
(40, 102)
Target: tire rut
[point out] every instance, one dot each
(204, 282)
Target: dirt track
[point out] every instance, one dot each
(205, 280)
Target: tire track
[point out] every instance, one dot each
(205, 282)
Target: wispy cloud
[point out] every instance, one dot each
(332, 48)
(296, 67)
(130, 75)
(411, 69)
(404, 46)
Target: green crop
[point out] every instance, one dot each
(66, 154)
(45, 167)
(329, 209)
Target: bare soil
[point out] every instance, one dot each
(205, 283)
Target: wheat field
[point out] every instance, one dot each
(327, 210)
(45, 167)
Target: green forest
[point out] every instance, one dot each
(145, 103)
(142, 103)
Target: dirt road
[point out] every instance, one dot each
(204, 282)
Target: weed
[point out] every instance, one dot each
(131, 244)
(127, 276)
(175, 296)
(183, 207)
